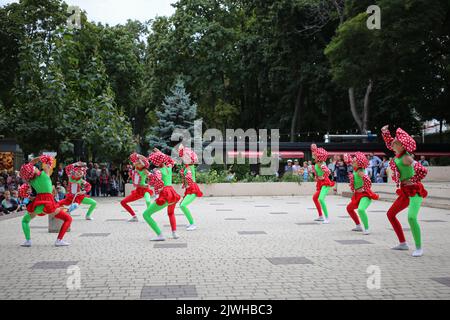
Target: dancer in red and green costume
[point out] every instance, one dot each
(407, 174)
(78, 189)
(360, 185)
(139, 177)
(189, 158)
(323, 182)
(44, 202)
(161, 180)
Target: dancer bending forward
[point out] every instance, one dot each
(360, 185)
(43, 203)
(189, 158)
(407, 174)
(139, 177)
(78, 189)
(323, 182)
(161, 180)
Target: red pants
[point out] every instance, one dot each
(135, 195)
(67, 221)
(172, 219)
(402, 202)
(317, 203)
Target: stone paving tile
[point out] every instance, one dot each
(278, 212)
(289, 260)
(433, 221)
(353, 242)
(235, 219)
(445, 281)
(307, 223)
(169, 292)
(251, 232)
(115, 220)
(53, 264)
(93, 234)
(224, 210)
(221, 263)
(170, 245)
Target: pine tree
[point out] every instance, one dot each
(178, 112)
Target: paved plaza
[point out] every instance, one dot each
(245, 248)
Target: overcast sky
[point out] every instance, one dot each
(119, 11)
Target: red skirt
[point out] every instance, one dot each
(324, 183)
(141, 191)
(357, 196)
(412, 190)
(167, 194)
(45, 199)
(193, 189)
(68, 200)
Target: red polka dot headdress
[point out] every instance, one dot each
(27, 172)
(406, 140)
(187, 153)
(361, 160)
(77, 170)
(137, 158)
(320, 153)
(159, 159)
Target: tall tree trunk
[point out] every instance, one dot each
(297, 109)
(366, 109)
(351, 97)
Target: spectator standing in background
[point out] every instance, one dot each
(113, 186)
(384, 168)
(288, 168)
(306, 171)
(341, 170)
(296, 167)
(332, 168)
(60, 172)
(104, 182)
(374, 164)
(92, 178)
(423, 161)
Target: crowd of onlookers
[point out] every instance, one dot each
(339, 170)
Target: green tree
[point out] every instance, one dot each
(178, 112)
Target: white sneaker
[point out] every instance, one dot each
(401, 247)
(61, 243)
(319, 219)
(133, 219)
(366, 232)
(26, 244)
(158, 238)
(418, 253)
(89, 218)
(358, 228)
(191, 227)
(174, 235)
(326, 221)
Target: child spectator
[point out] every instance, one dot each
(8, 204)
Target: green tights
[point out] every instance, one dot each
(184, 206)
(92, 203)
(151, 209)
(319, 200)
